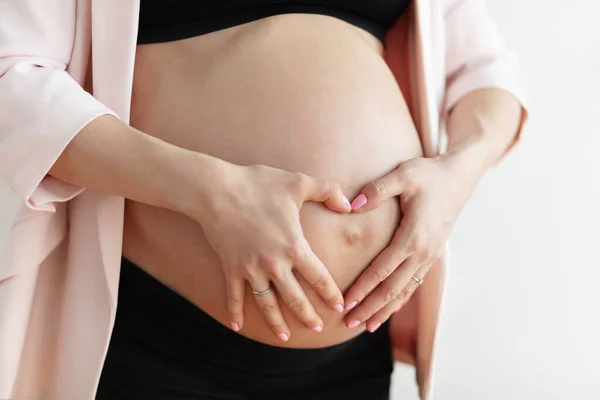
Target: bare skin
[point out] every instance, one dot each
(301, 93)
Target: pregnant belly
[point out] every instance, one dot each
(299, 92)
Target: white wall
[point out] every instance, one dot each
(521, 319)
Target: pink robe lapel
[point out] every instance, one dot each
(413, 329)
(114, 33)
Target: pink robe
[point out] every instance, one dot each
(59, 276)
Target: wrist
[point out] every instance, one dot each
(195, 179)
(469, 160)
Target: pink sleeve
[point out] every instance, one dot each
(476, 55)
(42, 107)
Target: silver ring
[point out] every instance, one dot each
(419, 281)
(262, 292)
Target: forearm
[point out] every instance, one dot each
(111, 157)
(481, 128)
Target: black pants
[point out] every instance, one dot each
(163, 347)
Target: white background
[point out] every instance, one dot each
(522, 319)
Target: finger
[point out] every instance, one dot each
(319, 278)
(387, 292)
(382, 267)
(396, 305)
(294, 297)
(381, 316)
(270, 308)
(378, 191)
(326, 192)
(236, 289)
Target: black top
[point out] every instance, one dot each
(168, 20)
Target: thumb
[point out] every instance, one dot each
(378, 191)
(328, 193)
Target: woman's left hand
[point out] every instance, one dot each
(432, 193)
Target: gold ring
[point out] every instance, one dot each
(419, 281)
(262, 292)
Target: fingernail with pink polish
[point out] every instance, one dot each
(317, 329)
(358, 202)
(353, 324)
(283, 337)
(235, 326)
(347, 202)
(338, 308)
(351, 305)
(374, 327)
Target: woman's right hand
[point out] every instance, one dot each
(251, 220)
(250, 215)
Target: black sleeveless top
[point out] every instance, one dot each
(164, 21)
